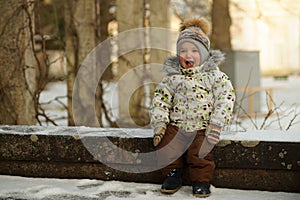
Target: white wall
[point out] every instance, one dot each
(270, 27)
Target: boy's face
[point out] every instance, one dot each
(189, 55)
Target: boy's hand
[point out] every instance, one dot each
(213, 133)
(159, 133)
(212, 138)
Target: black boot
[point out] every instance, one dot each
(172, 182)
(201, 189)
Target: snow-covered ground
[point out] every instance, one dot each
(14, 187)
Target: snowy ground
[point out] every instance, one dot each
(13, 187)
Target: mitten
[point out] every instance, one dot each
(159, 133)
(213, 133)
(212, 138)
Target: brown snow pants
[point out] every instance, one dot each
(175, 144)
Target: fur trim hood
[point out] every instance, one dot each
(172, 65)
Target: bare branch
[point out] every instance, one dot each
(57, 99)
(293, 119)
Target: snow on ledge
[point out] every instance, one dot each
(82, 131)
(263, 135)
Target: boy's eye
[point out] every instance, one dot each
(182, 51)
(195, 50)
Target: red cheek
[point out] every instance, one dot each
(182, 62)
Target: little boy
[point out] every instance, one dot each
(190, 107)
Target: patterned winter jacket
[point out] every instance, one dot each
(192, 98)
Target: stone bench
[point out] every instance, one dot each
(268, 161)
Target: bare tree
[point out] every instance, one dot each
(80, 40)
(221, 22)
(130, 15)
(17, 77)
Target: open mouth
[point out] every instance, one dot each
(189, 63)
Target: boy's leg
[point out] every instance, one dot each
(169, 155)
(200, 169)
(170, 150)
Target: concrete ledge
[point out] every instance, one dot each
(61, 152)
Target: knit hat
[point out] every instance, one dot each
(196, 31)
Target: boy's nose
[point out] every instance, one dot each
(188, 55)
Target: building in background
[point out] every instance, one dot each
(270, 27)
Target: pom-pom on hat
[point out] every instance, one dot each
(196, 31)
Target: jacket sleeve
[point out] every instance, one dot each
(224, 99)
(161, 104)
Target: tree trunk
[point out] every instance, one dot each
(103, 20)
(221, 22)
(130, 15)
(80, 40)
(159, 18)
(17, 77)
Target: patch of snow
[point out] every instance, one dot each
(262, 135)
(53, 100)
(17, 187)
(82, 131)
